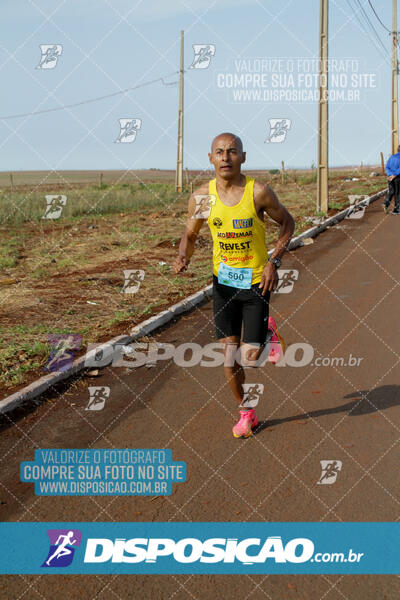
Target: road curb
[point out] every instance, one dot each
(38, 387)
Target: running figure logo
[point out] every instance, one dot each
(128, 130)
(204, 202)
(133, 279)
(358, 204)
(287, 277)
(54, 205)
(50, 55)
(62, 348)
(278, 130)
(251, 394)
(330, 471)
(202, 56)
(98, 396)
(62, 547)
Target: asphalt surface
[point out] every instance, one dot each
(344, 303)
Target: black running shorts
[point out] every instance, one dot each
(234, 306)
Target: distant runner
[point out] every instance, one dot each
(393, 175)
(243, 275)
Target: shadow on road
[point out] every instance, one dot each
(365, 402)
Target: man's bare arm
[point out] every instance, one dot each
(267, 200)
(193, 226)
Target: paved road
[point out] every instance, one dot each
(344, 303)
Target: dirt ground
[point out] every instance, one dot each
(347, 287)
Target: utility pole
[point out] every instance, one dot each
(322, 168)
(179, 159)
(395, 99)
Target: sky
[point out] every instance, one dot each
(257, 82)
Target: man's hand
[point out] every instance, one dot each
(193, 226)
(391, 177)
(180, 264)
(269, 279)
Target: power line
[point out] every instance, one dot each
(371, 25)
(90, 100)
(362, 25)
(375, 13)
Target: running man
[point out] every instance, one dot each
(62, 549)
(243, 275)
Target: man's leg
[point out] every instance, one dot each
(234, 372)
(246, 356)
(389, 195)
(228, 325)
(236, 357)
(228, 315)
(255, 310)
(396, 182)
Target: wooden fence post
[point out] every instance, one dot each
(382, 164)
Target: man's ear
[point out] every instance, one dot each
(209, 157)
(243, 157)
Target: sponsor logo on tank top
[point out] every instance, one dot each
(242, 223)
(235, 245)
(234, 234)
(217, 222)
(235, 259)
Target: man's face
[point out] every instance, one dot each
(227, 157)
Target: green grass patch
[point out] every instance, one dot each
(90, 201)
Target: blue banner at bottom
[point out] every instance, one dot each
(199, 548)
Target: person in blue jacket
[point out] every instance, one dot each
(393, 174)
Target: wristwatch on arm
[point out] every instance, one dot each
(275, 261)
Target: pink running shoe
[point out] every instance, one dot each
(244, 427)
(276, 342)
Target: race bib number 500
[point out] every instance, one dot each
(238, 278)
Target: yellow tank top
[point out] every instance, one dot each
(238, 233)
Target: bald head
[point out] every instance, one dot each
(227, 156)
(229, 138)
